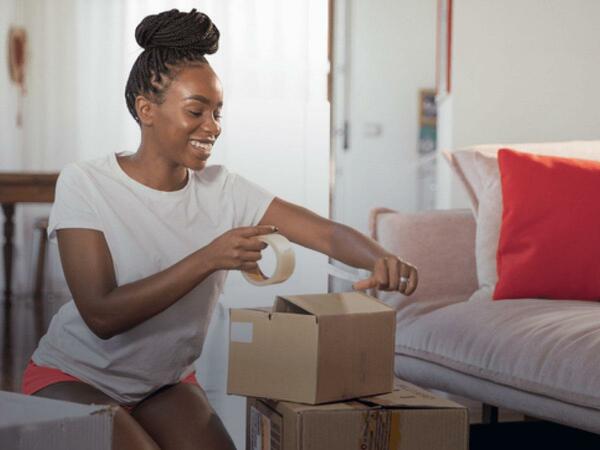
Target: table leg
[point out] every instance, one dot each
(7, 349)
(7, 358)
(9, 211)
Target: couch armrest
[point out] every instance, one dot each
(441, 244)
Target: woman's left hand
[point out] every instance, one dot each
(390, 273)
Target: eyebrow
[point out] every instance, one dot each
(203, 99)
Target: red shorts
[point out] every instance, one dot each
(37, 377)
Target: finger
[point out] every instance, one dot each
(367, 283)
(393, 266)
(251, 256)
(253, 244)
(250, 266)
(381, 274)
(258, 230)
(413, 281)
(405, 271)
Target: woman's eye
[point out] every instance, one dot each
(217, 116)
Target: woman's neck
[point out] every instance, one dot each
(154, 170)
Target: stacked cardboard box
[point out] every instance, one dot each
(408, 418)
(295, 359)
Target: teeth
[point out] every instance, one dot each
(200, 145)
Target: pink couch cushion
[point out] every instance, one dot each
(441, 245)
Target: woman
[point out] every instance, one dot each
(146, 240)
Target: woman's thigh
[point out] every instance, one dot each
(180, 417)
(127, 433)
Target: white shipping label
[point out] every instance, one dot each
(241, 332)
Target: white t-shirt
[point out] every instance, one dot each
(147, 231)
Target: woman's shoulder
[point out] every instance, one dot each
(88, 165)
(83, 171)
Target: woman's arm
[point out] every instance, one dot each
(344, 244)
(109, 309)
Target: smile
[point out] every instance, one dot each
(202, 149)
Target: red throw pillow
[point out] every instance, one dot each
(549, 243)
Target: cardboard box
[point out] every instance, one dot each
(313, 348)
(409, 418)
(35, 423)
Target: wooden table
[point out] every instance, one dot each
(20, 187)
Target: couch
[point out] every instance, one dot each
(539, 357)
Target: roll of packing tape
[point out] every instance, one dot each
(285, 261)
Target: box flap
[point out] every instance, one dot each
(300, 408)
(263, 309)
(407, 395)
(331, 304)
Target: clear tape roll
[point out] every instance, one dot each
(284, 267)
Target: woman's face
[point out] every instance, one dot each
(187, 123)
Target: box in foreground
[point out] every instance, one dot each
(313, 348)
(409, 418)
(34, 423)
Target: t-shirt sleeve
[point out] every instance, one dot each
(73, 205)
(250, 201)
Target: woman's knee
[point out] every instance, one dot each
(182, 418)
(219, 437)
(128, 434)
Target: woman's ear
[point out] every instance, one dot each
(145, 110)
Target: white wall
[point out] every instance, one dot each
(392, 57)
(10, 135)
(524, 71)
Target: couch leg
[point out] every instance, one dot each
(489, 414)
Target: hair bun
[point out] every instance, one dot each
(178, 30)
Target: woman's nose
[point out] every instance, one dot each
(212, 125)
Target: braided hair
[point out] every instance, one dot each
(171, 41)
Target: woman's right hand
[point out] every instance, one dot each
(238, 249)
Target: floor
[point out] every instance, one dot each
(20, 334)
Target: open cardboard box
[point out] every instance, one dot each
(409, 418)
(312, 348)
(35, 423)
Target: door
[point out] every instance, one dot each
(383, 61)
